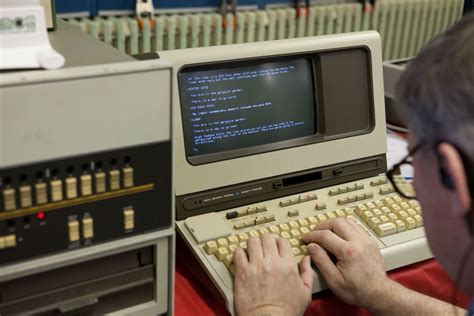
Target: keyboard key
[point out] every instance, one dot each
(221, 253)
(210, 247)
(222, 242)
(293, 213)
(233, 240)
(386, 229)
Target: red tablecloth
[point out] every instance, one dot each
(196, 295)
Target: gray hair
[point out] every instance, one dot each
(436, 92)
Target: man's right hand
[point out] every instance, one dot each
(358, 275)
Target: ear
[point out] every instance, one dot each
(453, 166)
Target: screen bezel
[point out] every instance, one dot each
(270, 147)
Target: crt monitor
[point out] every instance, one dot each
(255, 124)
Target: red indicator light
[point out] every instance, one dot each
(41, 215)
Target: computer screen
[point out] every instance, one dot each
(229, 107)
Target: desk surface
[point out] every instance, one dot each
(196, 295)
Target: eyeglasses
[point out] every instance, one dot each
(395, 177)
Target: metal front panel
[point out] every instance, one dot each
(61, 114)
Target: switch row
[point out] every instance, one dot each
(346, 188)
(378, 181)
(246, 211)
(7, 242)
(300, 199)
(87, 229)
(71, 188)
(355, 197)
(256, 221)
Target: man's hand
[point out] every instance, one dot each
(358, 275)
(268, 282)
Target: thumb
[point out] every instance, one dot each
(306, 272)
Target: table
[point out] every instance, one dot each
(196, 295)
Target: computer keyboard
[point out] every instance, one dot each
(395, 223)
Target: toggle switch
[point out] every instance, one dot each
(41, 193)
(114, 179)
(25, 196)
(86, 184)
(129, 219)
(9, 199)
(88, 227)
(56, 190)
(73, 231)
(71, 188)
(100, 182)
(128, 177)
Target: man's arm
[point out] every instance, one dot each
(358, 277)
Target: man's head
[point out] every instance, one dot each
(437, 95)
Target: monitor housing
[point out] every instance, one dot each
(258, 121)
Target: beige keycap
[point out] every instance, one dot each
(388, 201)
(378, 204)
(419, 220)
(396, 208)
(386, 210)
(303, 222)
(243, 245)
(370, 205)
(411, 212)
(312, 196)
(293, 225)
(304, 231)
(253, 233)
(397, 199)
(269, 218)
(367, 215)
(377, 212)
(295, 233)
(320, 206)
(304, 198)
(259, 220)
(333, 192)
(239, 226)
(409, 222)
(386, 229)
(285, 235)
(252, 210)
(243, 236)
(402, 214)
(293, 213)
(274, 230)
(384, 219)
(285, 203)
(261, 208)
(360, 197)
(404, 205)
(369, 195)
(392, 216)
(295, 200)
(400, 225)
(312, 226)
(249, 223)
(414, 203)
(221, 253)
(374, 222)
(322, 218)
(242, 212)
(340, 214)
(312, 220)
(228, 260)
(330, 215)
(360, 209)
(294, 242)
(284, 227)
(232, 248)
(349, 211)
(233, 240)
(296, 251)
(210, 247)
(222, 242)
(263, 231)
